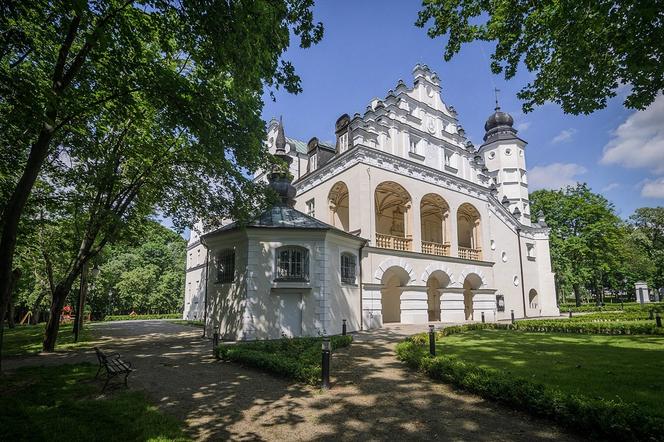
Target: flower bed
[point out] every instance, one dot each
(294, 358)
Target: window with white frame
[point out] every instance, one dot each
(416, 145)
(313, 162)
(348, 266)
(343, 142)
(226, 266)
(292, 264)
(311, 207)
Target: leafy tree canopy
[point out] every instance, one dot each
(580, 52)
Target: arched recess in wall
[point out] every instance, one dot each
(469, 232)
(533, 299)
(339, 208)
(436, 281)
(472, 282)
(434, 224)
(393, 281)
(393, 216)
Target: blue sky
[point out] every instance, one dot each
(369, 45)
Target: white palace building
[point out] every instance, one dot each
(403, 220)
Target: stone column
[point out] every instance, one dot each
(484, 301)
(416, 225)
(414, 306)
(451, 305)
(372, 316)
(453, 229)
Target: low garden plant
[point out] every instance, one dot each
(615, 306)
(604, 386)
(293, 358)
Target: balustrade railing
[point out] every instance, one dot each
(468, 253)
(436, 248)
(393, 242)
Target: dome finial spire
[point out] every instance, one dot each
(495, 91)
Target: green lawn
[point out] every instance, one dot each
(198, 324)
(25, 339)
(628, 367)
(64, 403)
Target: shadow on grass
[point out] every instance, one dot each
(63, 403)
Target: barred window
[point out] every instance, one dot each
(292, 264)
(348, 262)
(226, 266)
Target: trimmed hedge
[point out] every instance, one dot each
(137, 317)
(612, 307)
(293, 358)
(607, 419)
(565, 326)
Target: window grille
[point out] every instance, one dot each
(348, 264)
(292, 264)
(226, 266)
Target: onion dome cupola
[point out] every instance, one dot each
(280, 177)
(499, 126)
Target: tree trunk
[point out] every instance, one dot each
(36, 309)
(82, 293)
(577, 294)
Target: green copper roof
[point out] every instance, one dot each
(300, 146)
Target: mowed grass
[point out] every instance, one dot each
(64, 403)
(610, 367)
(26, 339)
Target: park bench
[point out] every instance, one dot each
(113, 365)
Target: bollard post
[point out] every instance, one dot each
(482, 317)
(658, 320)
(570, 313)
(512, 315)
(326, 362)
(343, 328)
(432, 341)
(651, 315)
(215, 344)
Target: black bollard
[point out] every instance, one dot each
(570, 313)
(432, 341)
(482, 317)
(326, 363)
(343, 328)
(512, 314)
(658, 320)
(651, 315)
(215, 344)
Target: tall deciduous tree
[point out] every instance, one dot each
(78, 78)
(648, 235)
(587, 237)
(580, 52)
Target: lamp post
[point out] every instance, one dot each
(326, 362)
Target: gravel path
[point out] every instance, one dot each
(373, 396)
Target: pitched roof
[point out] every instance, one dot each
(283, 217)
(300, 146)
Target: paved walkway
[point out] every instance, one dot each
(374, 397)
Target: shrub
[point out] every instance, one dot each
(603, 418)
(293, 358)
(147, 316)
(627, 306)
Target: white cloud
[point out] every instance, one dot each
(610, 186)
(639, 141)
(564, 135)
(653, 188)
(522, 127)
(554, 176)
